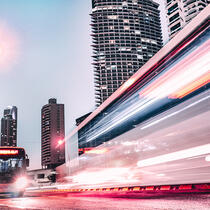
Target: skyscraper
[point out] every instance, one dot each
(52, 134)
(126, 34)
(9, 127)
(181, 12)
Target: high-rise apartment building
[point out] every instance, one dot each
(181, 12)
(52, 134)
(126, 34)
(9, 127)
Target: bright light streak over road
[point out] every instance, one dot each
(194, 67)
(174, 113)
(97, 151)
(187, 153)
(109, 175)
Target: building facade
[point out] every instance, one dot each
(181, 12)
(126, 34)
(52, 134)
(9, 127)
(80, 133)
(80, 119)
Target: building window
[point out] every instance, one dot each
(112, 17)
(139, 56)
(113, 67)
(124, 4)
(171, 9)
(174, 17)
(139, 50)
(103, 87)
(135, 2)
(153, 42)
(125, 21)
(175, 27)
(126, 28)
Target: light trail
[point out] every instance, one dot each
(174, 113)
(179, 155)
(194, 66)
(168, 85)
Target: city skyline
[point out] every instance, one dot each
(44, 49)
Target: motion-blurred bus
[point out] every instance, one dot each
(155, 129)
(13, 163)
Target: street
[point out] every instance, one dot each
(105, 105)
(71, 201)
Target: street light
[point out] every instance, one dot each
(60, 142)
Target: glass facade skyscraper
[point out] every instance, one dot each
(9, 127)
(126, 34)
(181, 12)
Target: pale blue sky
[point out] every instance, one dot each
(49, 55)
(52, 59)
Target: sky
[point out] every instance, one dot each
(45, 52)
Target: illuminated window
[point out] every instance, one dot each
(103, 87)
(124, 4)
(126, 28)
(101, 57)
(153, 42)
(139, 56)
(112, 41)
(135, 2)
(113, 67)
(126, 21)
(112, 17)
(124, 49)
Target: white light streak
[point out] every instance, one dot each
(102, 175)
(207, 158)
(174, 113)
(129, 143)
(125, 116)
(179, 155)
(192, 68)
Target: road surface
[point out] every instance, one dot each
(183, 202)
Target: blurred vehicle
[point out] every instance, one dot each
(13, 178)
(155, 129)
(41, 177)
